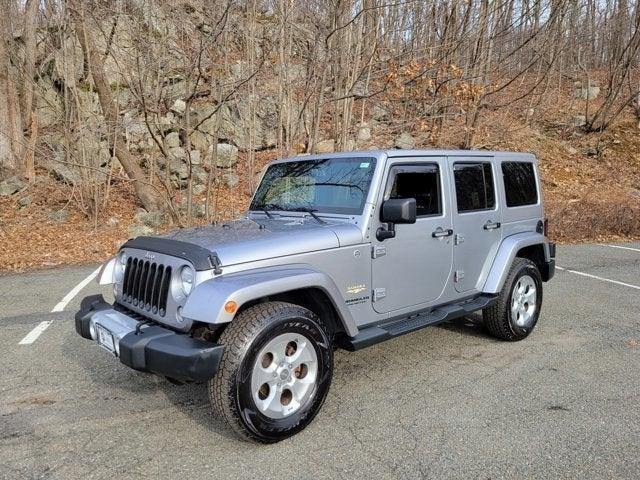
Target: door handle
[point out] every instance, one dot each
(491, 225)
(442, 233)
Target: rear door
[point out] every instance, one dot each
(414, 267)
(476, 220)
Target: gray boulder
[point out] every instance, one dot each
(405, 141)
(227, 155)
(10, 186)
(178, 153)
(230, 179)
(179, 106)
(172, 140)
(195, 157)
(59, 216)
(364, 133)
(25, 201)
(150, 219)
(140, 230)
(380, 113)
(325, 146)
(200, 141)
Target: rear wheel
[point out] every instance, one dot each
(275, 371)
(515, 313)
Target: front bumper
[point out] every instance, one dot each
(149, 347)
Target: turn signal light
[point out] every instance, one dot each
(230, 306)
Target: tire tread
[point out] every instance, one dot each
(496, 316)
(236, 338)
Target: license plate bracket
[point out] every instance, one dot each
(105, 339)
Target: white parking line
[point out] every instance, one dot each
(599, 278)
(620, 247)
(33, 335)
(69, 296)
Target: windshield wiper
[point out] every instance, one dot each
(310, 211)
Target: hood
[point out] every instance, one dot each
(247, 240)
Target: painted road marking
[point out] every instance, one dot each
(620, 247)
(33, 335)
(69, 296)
(599, 278)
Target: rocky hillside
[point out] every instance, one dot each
(133, 117)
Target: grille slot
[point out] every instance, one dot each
(146, 285)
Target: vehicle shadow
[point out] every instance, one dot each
(190, 398)
(193, 399)
(468, 325)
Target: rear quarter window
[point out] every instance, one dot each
(519, 184)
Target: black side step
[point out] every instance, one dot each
(399, 326)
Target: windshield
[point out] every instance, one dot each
(332, 185)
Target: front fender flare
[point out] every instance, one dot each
(504, 258)
(206, 302)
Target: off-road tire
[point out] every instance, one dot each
(230, 388)
(497, 318)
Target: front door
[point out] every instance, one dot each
(477, 221)
(413, 267)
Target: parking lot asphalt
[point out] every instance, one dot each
(444, 402)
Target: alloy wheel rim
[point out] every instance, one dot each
(284, 375)
(524, 301)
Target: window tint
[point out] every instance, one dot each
(474, 186)
(519, 184)
(421, 182)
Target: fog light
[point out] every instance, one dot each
(179, 315)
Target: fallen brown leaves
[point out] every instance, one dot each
(589, 197)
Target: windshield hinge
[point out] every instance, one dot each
(215, 264)
(378, 251)
(379, 294)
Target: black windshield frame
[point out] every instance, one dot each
(317, 173)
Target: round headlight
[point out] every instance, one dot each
(186, 279)
(118, 268)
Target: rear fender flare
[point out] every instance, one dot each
(504, 258)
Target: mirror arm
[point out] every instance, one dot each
(388, 232)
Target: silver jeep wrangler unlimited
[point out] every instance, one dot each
(342, 250)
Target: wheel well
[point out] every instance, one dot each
(535, 253)
(314, 299)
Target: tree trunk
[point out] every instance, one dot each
(117, 142)
(28, 85)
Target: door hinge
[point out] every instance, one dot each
(459, 239)
(378, 251)
(458, 275)
(379, 294)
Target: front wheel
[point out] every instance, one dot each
(275, 371)
(515, 313)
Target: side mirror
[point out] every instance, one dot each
(399, 210)
(396, 210)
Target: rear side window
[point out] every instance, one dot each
(519, 184)
(421, 182)
(474, 186)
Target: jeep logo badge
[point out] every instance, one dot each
(149, 256)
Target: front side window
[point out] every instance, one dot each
(519, 184)
(421, 182)
(331, 185)
(474, 186)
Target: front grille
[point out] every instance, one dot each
(146, 285)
